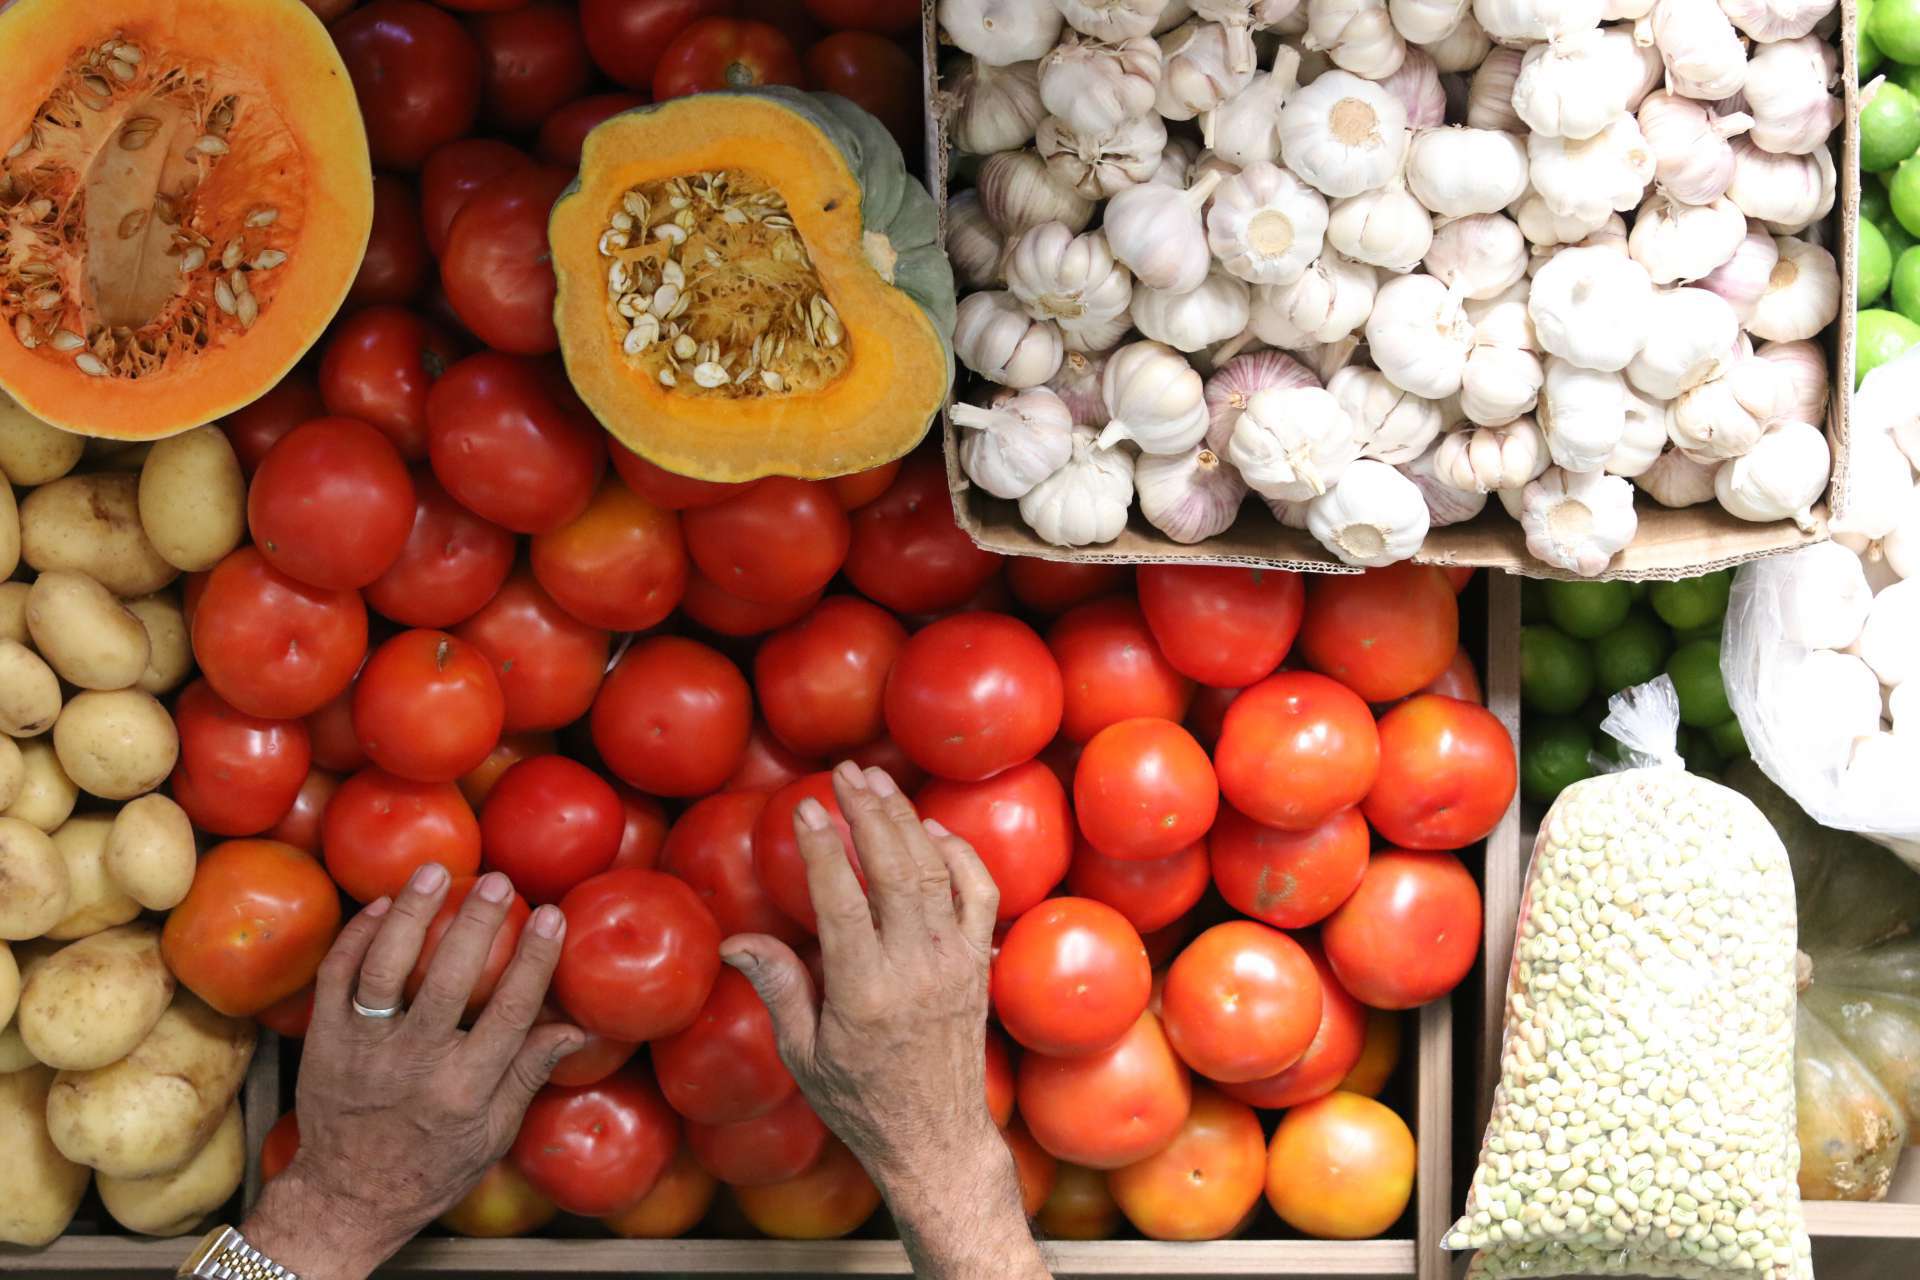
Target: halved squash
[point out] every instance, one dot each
(750, 284)
(185, 197)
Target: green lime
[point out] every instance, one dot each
(1907, 78)
(1692, 602)
(1875, 206)
(1587, 610)
(1906, 283)
(1687, 635)
(1889, 127)
(1903, 195)
(1895, 27)
(1697, 749)
(1556, 671)
(1870, 54)
(1630, 654)
(1875, 264)
(1553, 756)
(1533, 600)
(1695, 668)
(1727, 738)
(1638, 589)
(1880, 336)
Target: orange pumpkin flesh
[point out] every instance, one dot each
(185, 197)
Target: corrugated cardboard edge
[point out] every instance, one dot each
(1669, 544)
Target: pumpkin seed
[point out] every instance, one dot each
(138, 132)
(671, 233)
(684, 346)
(249, 310)
(128, 53)
(210, 144)
(231, 256)
(192, 260)
(710, 375)
(65, 340)
(223, 297)
(667, 379)
(263, 217)
(90, 364)
(122, 71)
(268, 259)
(23, 330)
(773, 381)
(132, 223)
(48, 301)
(238, 279)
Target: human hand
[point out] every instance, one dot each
(399, 1117)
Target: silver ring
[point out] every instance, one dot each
(365, 1012)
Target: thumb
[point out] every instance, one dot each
(784, 986)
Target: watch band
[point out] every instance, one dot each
(225, 1255)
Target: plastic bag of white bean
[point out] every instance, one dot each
(1644, 1120)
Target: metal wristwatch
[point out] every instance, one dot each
(225, 1255)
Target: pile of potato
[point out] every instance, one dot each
(107, 1072)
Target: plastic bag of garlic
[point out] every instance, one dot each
(1644, 1119)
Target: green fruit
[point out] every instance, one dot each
(1906, 283)
(1875, 206)
(1870, 55)
(1895, 28)
(1588, 610)
(1697, 749)
(1889, 127)
(1695, 669)
(1711, 631)
(1880, 336)
(1692, 602)
(1556, 671)
(1903, 195)
(1727, 738)
(1907, 78)
(1533, 600)
(1629, 654)
(1553, 756)
(1875, 269)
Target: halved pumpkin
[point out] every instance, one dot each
(751, 284)
(185, 198)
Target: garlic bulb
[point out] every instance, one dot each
(1642, 438)
(1426, 21)
(1070, 280)
(1804, 365)
(1770, 20)
(1693, 161)
(1890, 639)
(995, 337)
(1455, 171)
(1385, 227)
(1502, 320)
(1724, 417)
(1245, 128)
(1787, 95)
(1078, 386)
(1266, 225)
(1096, 165)
(1290, 514)
(1445, 504)
(1879, 484)
(1158, 233)
(1357, 34)
(1690, 338)
(1086, 501)
(1578, 521)
(1154, 398)
(976, 246)
(1484, 254)
(1236, 382)
(1489, 459)
(1803, 293)
(1208, 165)
(1824, 602)
(1293, 444)
(1000, 32)
(1331, 299)
(1901, 546)
(1014, 444)
(1780, 478)
(1511, 21)
(1242, 18)
(1189, 496)
(1545, 228)
(1419, 334)
(1373, 516)
(1787, 192)
(1196, 319)
(993, 108)
(1018, 191)
(1576, 85)
(1176, 12)
(1344, 135)
(1703, 53)
(1499, 383)
(1096, 87)
(1417, 85)
(1582, 414)
(1490, 92)
(1742, 279)
(1625, 10)
(1176, 162)
(1112, 19)
(1394, 426)
(1676, 241)
(1203, 68)
(1677, 480)
(1592, 177)
(1460, 50)
(1589, 306)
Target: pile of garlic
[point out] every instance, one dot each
(1372, 261)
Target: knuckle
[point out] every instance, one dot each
(379, 974)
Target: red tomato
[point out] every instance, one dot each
(452, 564)
(1017, 821)
(627, 37)
(640, 956)
(237, 774)
(416, 72)
(793, 21)
(380, 829)
(453, 173)
(272, 646)
(1409, 933)
(1340, 1168)
(548, 663)
(1288, 879)
(1458, 576)
(1080, 1207)
(1054, 586)
(550, 823)
(1460, 680)
(533, 62)
(1070, 978)
(503, 1204)
(427, 706)
(1112, 669)
(1221, 625)
(725, 1066)
(331, 730)
(999, 1079)
(620, 564)
(643, 830)
(505, 940)
(299, 826)
(664, 488)
(1241, 1002)
(566, 130)
(710, 847)
(1335, 1050)
(332, 504)
(477, 783)
(1111, 1108)
(972, 695)
(497, 268)
(593, 1061)
(253, 928)
(672, 717)
(875, 74)
(377, 368)
(1034, 1168)
(1447, 774)
(675, 1206)
(776, 851)
(725, 53)
(889, 16)
(1207, 712)
(1296, 749)
(279, 1147)
(512, 443)
(1379, 1055)
(779, 540)
(767, 766)
(257, 427)
(394, 268)
(1204, 1183)
(884, 754)
(1144, 789)
(726, 614)
(599, 1148)
(1384, 632)
(831, 1199)
(761, 1150)
(1150, 892)
(290, 1016)
(907, 553)
(821, 679)
(858, 489)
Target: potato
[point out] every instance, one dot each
(116, 745)
(169, 647)
(92, 1002)
(13, 611)
(29, 691)
(193, 498)
(172, 1204)
(92, 524)
(32, 452)
(13, 771)
(9, 985)
(39, 1187)
(150, 852)
(34, 885)
(87, 636)
(47, 794)
(95, 901)
(9, 530)
(13, 1050)
(150, 1112)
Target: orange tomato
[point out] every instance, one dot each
(1340, 1168)
(1081, 1207)
(1034, 1167)
(503, 1203)
(1110, 1108)
(476, 784)
(830, 1200)
(1379, 1055)
(675, 1205)
(1203, 1183)
(253, 928)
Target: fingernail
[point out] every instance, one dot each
(379, 907)
(547, 921)
(934, 828)
(849, 773)
(741, 960)
(494, 887)
(812, 813)
(429, 878)
(880, 784)
(566, 1048)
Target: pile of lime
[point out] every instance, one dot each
(1583, 642)
(1889, 257)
